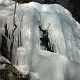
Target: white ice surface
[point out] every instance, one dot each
(64, 33)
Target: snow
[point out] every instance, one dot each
(64, 33)
(6, 2)
(3, 59)
(21, 60)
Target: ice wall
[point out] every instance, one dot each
(55, 67)
(63, 33)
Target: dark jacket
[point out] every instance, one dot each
(45, 33)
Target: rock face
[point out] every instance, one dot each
(44, 1)
(9, 72)
(74, 7)
(24, 1)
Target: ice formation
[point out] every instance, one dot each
(64, 33)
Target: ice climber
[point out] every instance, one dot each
(44, 39)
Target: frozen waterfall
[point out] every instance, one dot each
(64, 34)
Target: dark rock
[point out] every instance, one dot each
(9, 72)
(4, 47)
